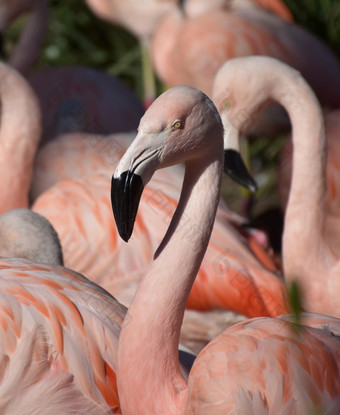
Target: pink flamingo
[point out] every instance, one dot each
(310, 254)
(180, 58)
(262, 363)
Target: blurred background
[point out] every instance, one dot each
(77, 37)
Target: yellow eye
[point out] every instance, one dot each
(226, 104)
(176, 124)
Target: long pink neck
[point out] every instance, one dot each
(305, 214)
(20, 130)
(32, 37)
(148, 369)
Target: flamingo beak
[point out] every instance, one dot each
(235, 168)
(233, 164)
(2, 49)
(133, 172)
(126, 191)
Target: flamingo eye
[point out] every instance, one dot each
(226, 104)
(176, 125)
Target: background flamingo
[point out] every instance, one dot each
(310, 256)
(180, 58)
(282, 368)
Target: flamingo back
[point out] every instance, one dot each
(280, 365)
(64, 331)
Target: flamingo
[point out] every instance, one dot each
(262, 363)
(310, 254)
(180, 58)
(80, 211)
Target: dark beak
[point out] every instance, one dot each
(235, 168)
(2, 50)
(126, 191)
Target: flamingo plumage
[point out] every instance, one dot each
(259, 363)
(189, 48)
(233, 259)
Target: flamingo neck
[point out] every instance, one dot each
(148, 345)
(305, 214)
(20, 130)
(32, 37)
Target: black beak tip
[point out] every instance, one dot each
(126, 191)
(235, 168)
(3, 55)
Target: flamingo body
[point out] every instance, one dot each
(223, 35)
(310, 250)
(275, 365)
(255, 287)
(64, 332)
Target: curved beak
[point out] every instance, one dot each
(133, 172)
(234, 166)
(126, 191)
